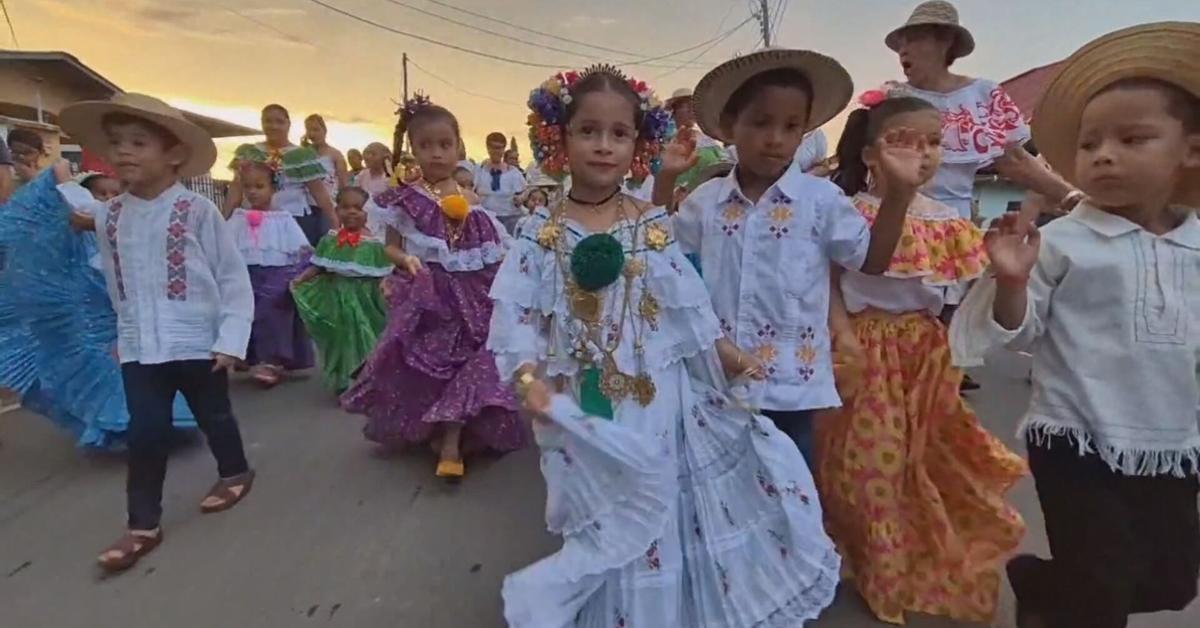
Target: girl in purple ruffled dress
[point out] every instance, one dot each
(431, 378)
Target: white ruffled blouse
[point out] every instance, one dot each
(532, 321)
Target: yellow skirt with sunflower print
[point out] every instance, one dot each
(912, 486)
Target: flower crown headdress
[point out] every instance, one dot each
(548, 117)
(410, 108)
(247, 155)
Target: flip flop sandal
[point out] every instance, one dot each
(130, 548)
(451, 470)
(266, 376)
(223, 490)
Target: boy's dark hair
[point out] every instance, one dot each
(352, 189)
(278, 109)
(602, 80)
(496, 137)
(27, 137)
(862, 129)
(1181, 104)
(168, 138)
(749, 90)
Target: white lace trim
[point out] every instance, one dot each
(435, 250)
(351, 269)
(279, 241)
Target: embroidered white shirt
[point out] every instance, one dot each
(177, 282)
(500, 201)
(766, 266)
(1113, 323)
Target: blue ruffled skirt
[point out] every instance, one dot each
(57, 325)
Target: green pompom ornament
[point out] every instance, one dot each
(597, 261)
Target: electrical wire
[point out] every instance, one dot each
(462, 89)
(267, 25)
(12, 30)
(480, 29)
(534, 31)
(479, 53)
(727, 35)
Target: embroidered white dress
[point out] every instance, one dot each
(979, 122)
(1113, 322)
(687, 513)
(176, 279)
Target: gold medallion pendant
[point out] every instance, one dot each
(648, 308)
(586, 306)
(644, 389)
(613, 383)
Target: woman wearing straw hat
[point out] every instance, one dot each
(981, 125)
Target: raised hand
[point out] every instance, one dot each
(900, 157)
(680, 155)
(1013, 247)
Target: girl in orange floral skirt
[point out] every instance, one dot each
(912, 485)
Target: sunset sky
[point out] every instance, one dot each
(227, 58)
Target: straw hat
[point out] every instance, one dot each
(1167, 51)
(680, 94)
(832, 86)
(84, 122)
(936, 13)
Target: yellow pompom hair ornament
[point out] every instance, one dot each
(455, 207)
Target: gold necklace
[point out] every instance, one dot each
(454, 230)
(587, 307)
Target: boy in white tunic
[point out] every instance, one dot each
(182, 296)
(1106, 300)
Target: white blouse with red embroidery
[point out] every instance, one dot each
(979, 122)
(177, 281)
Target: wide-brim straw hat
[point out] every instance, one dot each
(683, 93)
(1165, 51)
(936, 13)
(84, 122)
(831, 83)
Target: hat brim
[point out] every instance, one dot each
(964, 41)
(831, 83)
(1166, 51)
(84, 123)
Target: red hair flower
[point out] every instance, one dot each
(871, 98)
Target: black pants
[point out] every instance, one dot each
(798, 425)
(1120, 544)
(149, 392)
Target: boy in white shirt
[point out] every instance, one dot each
(767, 233)
(182, 296)
(1106, 299)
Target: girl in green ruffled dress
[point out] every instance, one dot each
(339, 295)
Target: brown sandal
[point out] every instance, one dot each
(130, 548)
(224, 490)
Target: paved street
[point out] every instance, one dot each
(333, 534)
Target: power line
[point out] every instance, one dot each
(462, 89)
(722, 38)
(479, 53)
(545, 34)
(396, 31)
(267, 25)
(12, 30)
(647, 62)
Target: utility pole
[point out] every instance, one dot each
(764, 20)
(404, 96)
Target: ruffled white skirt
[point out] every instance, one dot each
(690, 513)
(272, 239)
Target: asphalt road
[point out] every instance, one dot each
(334, 533)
